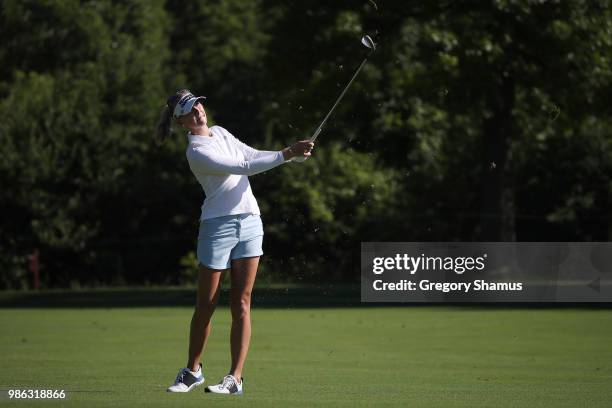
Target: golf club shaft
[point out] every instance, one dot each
(316, 133)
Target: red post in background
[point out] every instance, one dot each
(33, 268)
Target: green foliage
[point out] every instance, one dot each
(316, 210)
(471, 121)
(217, 49)
(87, 79)
(189, 268)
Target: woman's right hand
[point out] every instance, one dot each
(302, 148)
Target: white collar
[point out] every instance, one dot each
(199, 138)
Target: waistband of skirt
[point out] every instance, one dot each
(241, 216)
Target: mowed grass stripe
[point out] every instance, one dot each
(421, 357)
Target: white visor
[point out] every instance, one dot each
(185, 104)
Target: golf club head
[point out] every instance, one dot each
(368, 42)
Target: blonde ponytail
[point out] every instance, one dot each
(162, 130)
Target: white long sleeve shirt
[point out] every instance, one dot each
(221, 164)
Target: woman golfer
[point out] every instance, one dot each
(230, 235)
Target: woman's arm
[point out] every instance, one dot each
(204, 161)
(250, 153)
(297, 149)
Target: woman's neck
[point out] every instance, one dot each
(201, 131)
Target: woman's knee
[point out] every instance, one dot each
(241, 306)
(208, 289)
(206, 306)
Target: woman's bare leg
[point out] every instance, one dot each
(243, 277)
(209, 284)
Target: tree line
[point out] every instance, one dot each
(473, 121)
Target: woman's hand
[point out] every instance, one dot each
(298, 149)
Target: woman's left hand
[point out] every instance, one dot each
(302, 148)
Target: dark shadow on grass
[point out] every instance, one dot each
(307, 296)
(290, 297)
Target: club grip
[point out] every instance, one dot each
(299, 159)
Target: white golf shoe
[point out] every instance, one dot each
(229, 385)
(186, 380)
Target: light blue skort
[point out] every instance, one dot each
(222, 239)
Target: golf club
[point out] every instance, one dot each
(367, 41)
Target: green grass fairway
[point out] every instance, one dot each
(411, 356)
